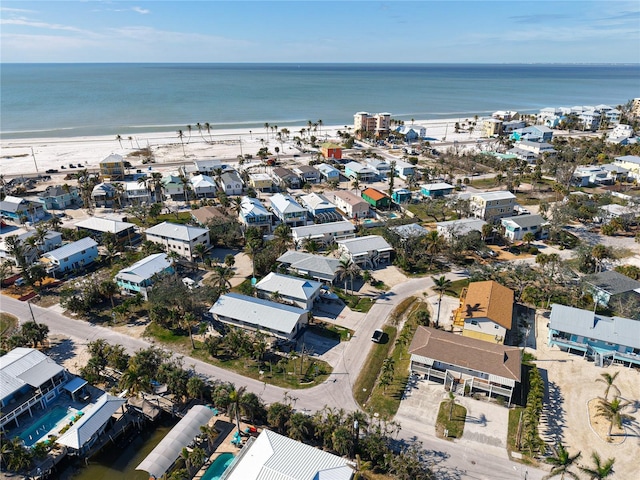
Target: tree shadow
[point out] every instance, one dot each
(62, 350)
(434, 459)
(552, 422)
(480, 420)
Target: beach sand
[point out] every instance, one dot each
(36, 155)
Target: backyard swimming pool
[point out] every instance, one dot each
(219, 465)
(43, 426)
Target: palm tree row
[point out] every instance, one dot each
(562, 463)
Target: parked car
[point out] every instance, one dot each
(19, 282)
(377, 336)
(52, 170)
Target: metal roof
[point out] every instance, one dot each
(412, 230)
(462, 226)
(286, 204)
(202, 181)
(324, 267)
(145, 268)
(75, 384)
(176, 231)
(113, 158)
(359, 168)
(252, 207)
(523, 221)
(289, 286)
(315, 201)
(94, 418)
(276, 457)
(162, 457)
(436, 186)
(22, 366)
(322, 229)
(366, 244)
(104, 225)
(257, 312)
(72, 248)
(615, 330)
(612, 282)
(491, 196)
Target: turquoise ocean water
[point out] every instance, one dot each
(61, 100)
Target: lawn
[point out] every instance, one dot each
(331, 331)
(456, 287)
(514, 419)
(179, 217)
(484, 183)
(366, 380)
(355, 302)
(455, 426)
(7, 323)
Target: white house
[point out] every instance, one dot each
(254, 214)
(404, 169)
(72, 256)
(181, 239)
(382, 167)
(288, 210)
(458, 228)
(360, 172)
(631, 163)
(324, 233)
(138, 278)
(203, 186)
(328, 172)
(351, 205)
(492, 206)
(136, 193)
(51, 241)
(367, 252)
(231, 183)
(296, 290)
(515, 228)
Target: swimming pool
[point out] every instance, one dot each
(43, 426)
(219, 465)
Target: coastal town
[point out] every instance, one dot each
(389, 299)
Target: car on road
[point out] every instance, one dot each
(377, 335)
(52, 170)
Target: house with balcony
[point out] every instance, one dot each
(435, 190)
(331, 150)
(178, 238)
(18, 209)
(404, 170)
(254, 214)
(485, 312)
(376, 198)
(602, 338)
(288, 210)
(411, 133)
(137, 193)
(381, 167)
(328, 173)
(103, 195)
(492, 206)
(324, 233)
(631, 163)
(401, 195)
(258, 315)
(261, 182)
(464, 364)
(125, 232)
(628, 214)
(492, 127)
(521, 154)
(59, 197)
(377, 124)
(609, 286)
(173, 187)
(307, 174)
(112, 167)
(360, 172)
(51, 241)
(297, 291)
(140, 277)
(203, 186)
(534, 133)
(320, 268)
(351, 205)
(285, 178)
(231, 183)
(209, 167)
(367, 252)
(322, 210)
(73, 256)
(537, 148)
(515, 228)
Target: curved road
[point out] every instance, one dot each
(451, 460)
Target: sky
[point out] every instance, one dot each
(451, 31)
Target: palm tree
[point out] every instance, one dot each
(600, 253)
(608, 380)
(109, 288)
(347, 269)
(440, 285)
(528, 238)
(119, 139)
(487, 231)
(201, 251)
(599, 470)
(612, 411)
(561, 462)
(197, 456)
(235, 398)
(434, 243)
(451, 402)
(221, 277)
(181, 137)
(356, 185)
(189, 319)
(207, 127)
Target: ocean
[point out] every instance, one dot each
(65, 100)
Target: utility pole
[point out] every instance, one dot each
(34, 159)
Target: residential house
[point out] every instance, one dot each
(231, 183)
(486, 311)
(295, 290)
(203, 215)
(381, 167)
(351, 205)
(181, 239)
(112, 167)
(137, 193)
(411, 133)
(255, 314)
(328, 172)
(368, 251)
(208, 167)
(18, 209)
(59, 197)
(434, 190)
(324, 233)
(511, 126)
(492, 206)
(307, 174)
(288, 210)
(460, 362)
(173, 186)
(275, 456)
(609, 286)
(620, 132)
(376, 198)
(203, 186)
(521, 154)
(409, 231)
(515, 228)
(254, 214)
(538, 148)
(73, 256)
(125, 233)
(401, 195)
(320, 207)
(261, 182)
(631, 163)
(285, 178)
(458, 228)
(31, 382)
(405, 170)
(51, 241)
(602, 338)
(505, 115)
(321, 268)
(331, 150)
(357, 171)
(492, 127)
(140, 277)
(534, 133)
(378, 124)
(607, 174)
(629, 214)
(103, 195)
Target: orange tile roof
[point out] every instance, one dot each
(374, 194)
(490, 300)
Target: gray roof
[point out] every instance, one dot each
(615, 330)
(258, 312)
(326, 168)
(325, 267)
(168, 450)
(497, 195)
(629, 158)
(319, 229)
(71, 248)
(145, 268)
(276, 457)
(612, 282)
(113, 158)
(251, 207)
(437, 186)
(411, 230)
(289, 286)
(462, 226)
(229, 177)
(366, 244)
(176, 231)
(525, 221)
(359, 168)
(13, 204)
(104, 225)
(91, 422)
(286, 204)
(316, 200)
(25, 366)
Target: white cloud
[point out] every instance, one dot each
(49, 26)
(140, 10)
(16, 10)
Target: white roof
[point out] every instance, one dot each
(202, 181)
(260, 313)
(629, 158)
(359, 168)
(325, 267)
(252, 207)
(436, 186)
(366, 244)
(321, 229)
(104, 225)
(276, 457)
(25, 366)
(162, 457)
(145, 268)
(462, 226)
(316, 201)
(294, 287)
(327, 169)
(91, 422)
(286, 204)
(525, 220)
(259, 176)
(492, 196)
(176, 231)
(71, 248)
(113, 158)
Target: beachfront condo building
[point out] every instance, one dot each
(379, 123)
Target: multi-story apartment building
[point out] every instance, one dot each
(379, 123)
(492, 206)
(181, 239)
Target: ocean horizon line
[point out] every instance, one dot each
(589, 64)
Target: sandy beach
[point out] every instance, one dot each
(36, 155)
